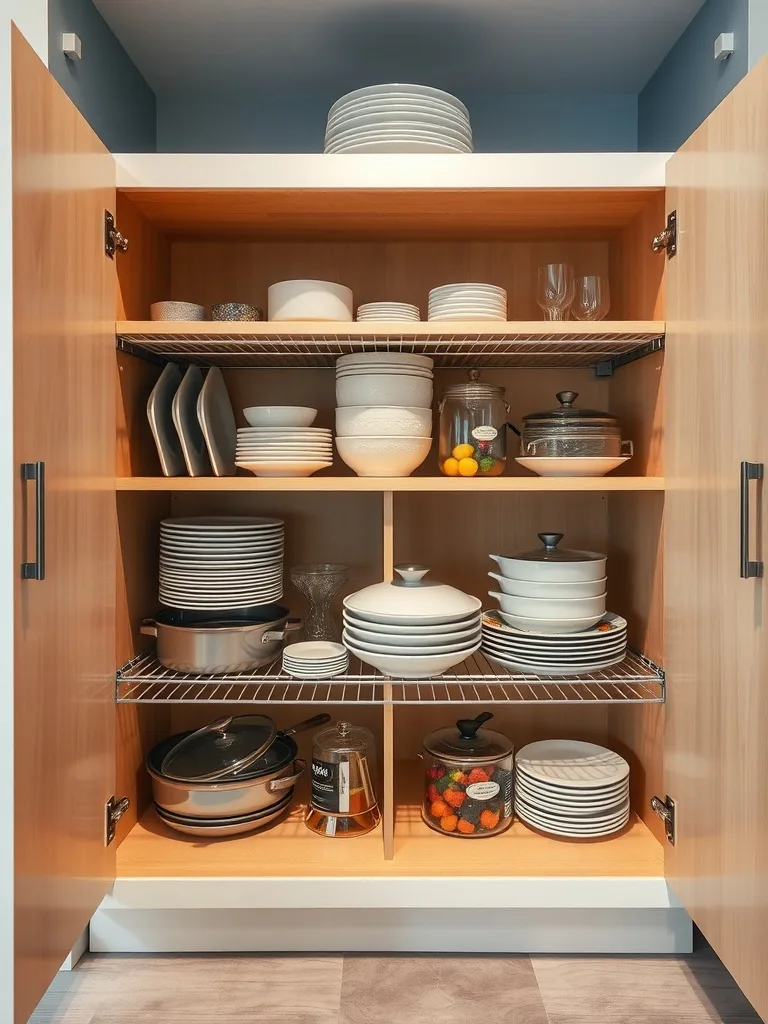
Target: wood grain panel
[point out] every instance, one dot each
(716, 636)
(143, 272)
(638, 273)
(64, 631)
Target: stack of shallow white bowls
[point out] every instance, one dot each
(398, 119)
(384, 412)
(468, 301)
(411, 628)
(315, 659)
(392, 311)
(284, 451)
(572, 789)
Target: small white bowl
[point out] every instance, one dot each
(411, 666)
(558, 591)
(390, 389)
(365, 420)
(310, 300)
(176, 311)
(280, 415)
(548, 608)
(383, 456)
(549, 625)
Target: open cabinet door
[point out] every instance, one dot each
(64, 628)
(716, 417)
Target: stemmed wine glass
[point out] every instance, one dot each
(593, 298)
(555, 290)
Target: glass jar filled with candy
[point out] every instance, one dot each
(473, 425)
(468, 779)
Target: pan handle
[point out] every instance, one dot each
(279, 634)
(308, 723)
(287, 781)
(148, 627)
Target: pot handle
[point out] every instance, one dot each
(279, 634)
(287, 781)
(308, 723)
(148, 627)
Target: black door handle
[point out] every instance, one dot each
(748, 570)
(36, 471)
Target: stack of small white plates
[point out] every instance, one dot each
(220, 562)
(284, 451)
(398, 119)
(315, 659)
(572, 789)
(372, 311)
(555, 654)
(468, 302)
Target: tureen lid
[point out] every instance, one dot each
(551, 553)
(567, 415)
(412, 595)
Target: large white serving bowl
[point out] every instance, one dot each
(558, 591)
(412, 666)
(532, 625)
(591, 569)
(407, 627)
(550, 608)
(310, 300)
(585, 466)
(283, 469)
(383, 456)
(393, 642)
(384, 389)
(403, 650)
(394, 421)
(280, 415)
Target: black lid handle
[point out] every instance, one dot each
(468, 726)
(550, 540)
(567, 398)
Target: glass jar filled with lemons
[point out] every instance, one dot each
(473, 425)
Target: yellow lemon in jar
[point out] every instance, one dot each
(463, 451)
(451, 467)
(468, 467)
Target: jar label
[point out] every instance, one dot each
(330, 786)
(483, 790)
(485, 433)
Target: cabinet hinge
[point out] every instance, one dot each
(666, 811)
(667, 239)
(115, 809)
(114, 241)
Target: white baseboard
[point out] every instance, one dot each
(660, 931)
(80, 947)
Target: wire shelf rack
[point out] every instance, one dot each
(508, 345)
(636, 680)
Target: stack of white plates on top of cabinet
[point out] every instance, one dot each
(572, 789)
(284, 451)
(468, 301)
(315, 659)
(555, 654)
(398, 119)
(392, 311)
(219, 563)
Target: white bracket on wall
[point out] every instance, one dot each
(724, 46)
(71, 46)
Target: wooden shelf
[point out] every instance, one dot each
(416, 484)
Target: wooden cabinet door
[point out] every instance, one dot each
(716, 736)
(64, 628)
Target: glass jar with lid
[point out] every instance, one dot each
(473, 429)
(468, 779)
(567, 432)
(343, 801)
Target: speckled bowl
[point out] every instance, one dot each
(176, 311)
(241, 311)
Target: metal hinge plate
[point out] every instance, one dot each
(114, 241)
(666, 811)
(115, 809)
(667, 239)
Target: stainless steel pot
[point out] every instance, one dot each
(209, 646)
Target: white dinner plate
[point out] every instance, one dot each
(568, 804)
(530, 658)
(160, 415)
(220, 523)
(400, 146)
(572, 763)
(227, 606)
(393, 90)
(286, 433)
(453, 317)
(556, 671)
(397, 104)
(612, 642)
(256, 556)
(606, 816)
(571, 831)
(184, 412)
(347, 132)
(609, 623)
(377, 115)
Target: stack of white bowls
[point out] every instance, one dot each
(284, 451)
(398, 119)
(392, 311)
(468, 301)
(384, 412)
(411, 628)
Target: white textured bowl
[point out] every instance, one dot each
(549, 625)
(539, 571)
(365, 420)
(310, 300)
(176, 311)
(389, 389)
(280, 415)
(383, 456)
(388, 642)
(548, 608)
(558, 591)
(412, 666)
(396, 359)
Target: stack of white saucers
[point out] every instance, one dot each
(315, 659)
(220, 562)
(398, 119)
(553, 654)
(284, 451)
(572, 789)
(467, 301)
(392, 311)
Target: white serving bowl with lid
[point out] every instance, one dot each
(549, 564)
(553, 591)
(548, 608)
(412, 600)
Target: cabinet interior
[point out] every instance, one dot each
(211, 247)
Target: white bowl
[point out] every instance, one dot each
(410, 359)
(549, 608)
(412, 666)
(280, 415)
(594, 466)
(388, 642)
(405, 627)
(401, 371)
(389, 389)
(282, 469)
(394, 421)
(176, 311)
(402, 650)
(310, 300)
(535, 571)
(549, 625)
(559, 591)
(383, 456)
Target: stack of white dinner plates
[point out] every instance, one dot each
(372, 311)
(468, 301)
(284, 451)
(398, 119)
(315, 659)
(572, 789)
(220, 562)
(555, 654)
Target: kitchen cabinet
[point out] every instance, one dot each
(217, 228)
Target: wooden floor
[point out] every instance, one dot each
(406, 990)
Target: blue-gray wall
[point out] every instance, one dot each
(105, 85)
(690, 83)
(280, 123)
